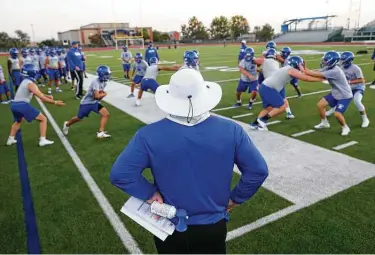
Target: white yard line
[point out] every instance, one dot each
(242, 115)
(273, 122)
(303, 133)
(345, 145)
(263, 221)
(128, 241)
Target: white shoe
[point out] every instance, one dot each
(365, 123)
(290, 116)
(330, 112)
(11, 141)
(45, 142)
(5, 102)
(59, 90)
(102, 135)
(345, 131)
(49, 91)
(262, 125)
(323, 124)
(137, 102)
(65, 128)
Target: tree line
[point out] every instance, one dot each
(225, 28)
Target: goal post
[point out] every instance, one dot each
(138, 43)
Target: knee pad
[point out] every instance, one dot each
(358, 101)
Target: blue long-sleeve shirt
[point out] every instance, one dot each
(373, 55)
(74, 59)
(150, 53)
(241, 55)
(192, 166)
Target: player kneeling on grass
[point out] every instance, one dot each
(22, 109)
(149, 80)
(139, 69)
(90, 102)
(272, 89)
(355, 78)
(341, 94)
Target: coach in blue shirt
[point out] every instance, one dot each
(191, 155)
(75, 64)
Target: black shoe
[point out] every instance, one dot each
(373, 83)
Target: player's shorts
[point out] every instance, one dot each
(137, 79)
(260, 78)
(23, 110)
(294, 82)
(244, 85)
(147, 84)
(270, 97)
(126, 67)
(341, 105)
(354, 91)
(4, 88)
(16, 77)
(53, 74)
(283, 93)
(85, 109)
(63, 71)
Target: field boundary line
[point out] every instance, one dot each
(119, 227)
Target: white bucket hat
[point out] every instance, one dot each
(188, 94)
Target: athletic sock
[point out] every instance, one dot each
(364, 117)
(239, 102)
(288, 111)
(265, 118)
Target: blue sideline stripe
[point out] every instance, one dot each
(33, 244)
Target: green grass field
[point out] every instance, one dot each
(70, 220)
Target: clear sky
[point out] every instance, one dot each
(50, 16)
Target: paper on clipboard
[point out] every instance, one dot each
(140, 212)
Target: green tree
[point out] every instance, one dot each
(194, 29)
(239, 26)
(5, 40)
(184, 31)
(146, 35)
(265, 33)
(50, 43)
(24, 38)
(220, 28)
(96, 40)
(165, 37)
(156, 35)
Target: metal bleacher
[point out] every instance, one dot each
(312, 33)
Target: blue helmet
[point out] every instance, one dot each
(29, 71)
(191, 58)
(270, 53)
(285, 52)
(125, 48)
(138, 57)
(52, 52)
(62, 50)
(196, 52)
(271, 45)
(249, 54)
(330, 59)
(38, 51)
(32, 51)
(24, 52)
(13, 53)
(153, 61)
(104, 73)
(46, 52)
(295, 61)
(59, 51)
(347, 58)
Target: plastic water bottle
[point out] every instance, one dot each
(164, 210)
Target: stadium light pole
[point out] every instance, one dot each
(114, 23)
(359, 12)
(32, 31)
